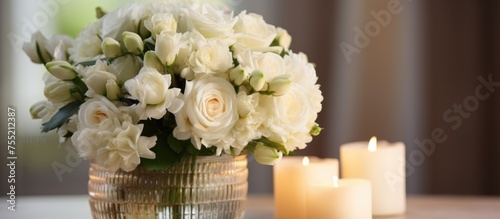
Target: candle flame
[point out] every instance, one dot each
(335, 181)
(305, 161)
(372, 145)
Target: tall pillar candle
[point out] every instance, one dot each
(340, 199)
(291, 177)
(383, 164)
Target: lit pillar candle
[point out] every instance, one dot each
(340, 199)
(382, 164)
(291, 177)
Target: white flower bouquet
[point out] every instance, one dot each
(149, 84)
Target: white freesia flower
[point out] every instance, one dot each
(167, 46)
(160, 22)
(124, 148)
(30, 48)
(58, 91)
(213, 57)
(284, 38)
(126, 67)
(267, 155)
(248, 127)
(253, 31)
(107, 134)
(209, 113)
(292, 115)
(152, 90)
(87, 45)
(44, 110)
(96, 77)
(58, 46)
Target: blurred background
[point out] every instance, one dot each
(423, 72)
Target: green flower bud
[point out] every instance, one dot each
(315, 130)
(257, 80)
(111, 48)
(133, 42)
(61, 70)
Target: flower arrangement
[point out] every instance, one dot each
(149, 84)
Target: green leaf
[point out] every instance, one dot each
(165, 156)
(151, 127)
(192, 150)
(62, 116)
(177, 145)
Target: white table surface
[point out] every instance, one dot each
(261, 207)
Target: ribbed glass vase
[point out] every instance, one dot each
(210, 187)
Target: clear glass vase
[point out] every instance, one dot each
(212, 187)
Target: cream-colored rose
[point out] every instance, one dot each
(160, 22)
(253, 32)
(209, 113)
(125, 147)
(210, 22)
(213, 57)
(167, 47)
(98, 113)
(152, 90)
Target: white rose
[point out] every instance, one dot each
(267, 155)
(125, 147)
(152, 90)
(87, 45)
(209, 114)
(292, 115)
(253, 31)
(167, 47)
(58, 91)
(99, 113)
(126, 67)
(210, 22)
(160, 22)
(213, 57)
